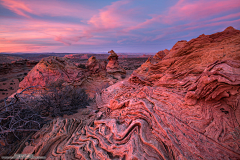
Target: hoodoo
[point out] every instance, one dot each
(113, 65)
(94, 65)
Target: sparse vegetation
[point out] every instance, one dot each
(17, 120)
(20, 79)
(82, 66)
(62, 101)
(24, 115)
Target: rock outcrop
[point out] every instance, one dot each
(161, 54)
(95, 66)
(52, 72)
(113, 65)
(185, 106)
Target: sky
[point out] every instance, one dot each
(125, 26)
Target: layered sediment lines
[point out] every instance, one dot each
(185, 106)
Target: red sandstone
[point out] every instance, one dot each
(185, 106)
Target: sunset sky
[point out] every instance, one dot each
(132, 26)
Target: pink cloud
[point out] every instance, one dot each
(185, 10)
(226, 23)
(52, 8)
(109, 17)
(113, 16)
(167, 33)
(18, 7)
(144, 24)
(29, 32)
(25, 48)
(195, 10)
(235, 15)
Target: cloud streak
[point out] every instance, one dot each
(112, 16)
(52, 8)
(18, 7)
(75, 26)
(187, 10)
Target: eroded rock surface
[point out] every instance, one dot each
(185, 106)
(52, 72)
(161, 54)
(113, 65)
(95, 66)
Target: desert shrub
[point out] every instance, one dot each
(20, 79)
(17, 121)
(60, 101)
(23, 116)
(57, 85)
(82, 66)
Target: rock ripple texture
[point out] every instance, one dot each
(185, 106)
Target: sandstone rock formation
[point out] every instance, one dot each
(94, 65)
(61, 71)
(113, 65)
(53, 70)
(176, 48)
(185, 106)
(161, 54)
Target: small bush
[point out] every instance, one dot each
(62, 101)
(20, 79)
(82, 66)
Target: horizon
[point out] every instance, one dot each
(125, 26)
(119, 53)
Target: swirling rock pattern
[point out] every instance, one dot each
(163, 111)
